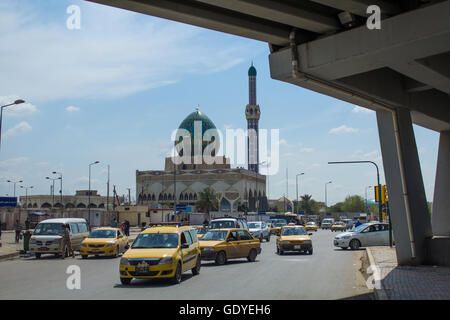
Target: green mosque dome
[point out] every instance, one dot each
(189, 122)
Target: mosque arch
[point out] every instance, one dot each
(81, 205)
(46, 205)
(70, 205)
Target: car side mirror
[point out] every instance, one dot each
(185, 246)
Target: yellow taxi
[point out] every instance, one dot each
(220, 245)
(311, 225)
(104, 241)
(276, 227)
(294, 238)
(161, 251)
(338, 226)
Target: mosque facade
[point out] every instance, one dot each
(181, 183)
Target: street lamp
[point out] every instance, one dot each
(26, 194)
(256, 180)
(326, 206)
(296, 188)
(53, 189)
(20, 181)
(367, 207)
(378, 180)
(89, 192)
(1, 115)
(60, 191)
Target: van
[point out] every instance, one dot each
(227, 223)
(47, 236)
(327, 223)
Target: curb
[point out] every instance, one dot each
(380, 294)
(9, 256)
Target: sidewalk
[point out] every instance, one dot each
(9, 248)
(408, 283)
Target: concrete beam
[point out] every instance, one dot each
(441, 201)
(359, 7)
(281, 13)
(360, 50)
(209, 17)
(411, 222)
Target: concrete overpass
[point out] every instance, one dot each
(401, 71)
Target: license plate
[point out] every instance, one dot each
(43, 248)
(297, 247)
(95, 250)
(142, 268)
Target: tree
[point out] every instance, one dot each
(207, 201)
(353, 203)
(305, 203)
(242, 207)
(336, 207)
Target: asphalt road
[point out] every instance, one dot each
(329, 273)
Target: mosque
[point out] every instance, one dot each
(182, 183)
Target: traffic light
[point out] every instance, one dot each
(384, 195)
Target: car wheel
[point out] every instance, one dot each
(268, 238)
(355, 244)
(177, 277)
(117, 252)
(125, 281)
(261, 238)
(196, 269)
(310, 251)
(37, 255)
(252, 255)
(221, 258)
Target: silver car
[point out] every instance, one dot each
(365, 235)
(260, 230)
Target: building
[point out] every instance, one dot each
(79, 200)
(181, 183)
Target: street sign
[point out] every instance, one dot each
(301, 212)
(10, 202)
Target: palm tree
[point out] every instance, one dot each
(306, 203)
(207, 201)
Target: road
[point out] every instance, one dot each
(329, 273)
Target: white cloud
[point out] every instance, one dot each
(12, 162)
(72, 109)
(362, 110)
(122, 54)
(306, 150)
(18, 110)
(283, 142)
(343, 129)
(21, 128)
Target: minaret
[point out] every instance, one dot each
(252, 113)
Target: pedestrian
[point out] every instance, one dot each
(18, 229)
(66, 243)
(358, 223)
(27, 224)
(127, 228)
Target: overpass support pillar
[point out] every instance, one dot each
(411, 222)
(441, 202)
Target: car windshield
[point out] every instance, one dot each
(222, 224)
(254, 225)
(310, 224)
(155, 240)
(280, 224)
(360, 228)
(339, 223)
(201, 230)
(48, 229)
(293, 231)
(102, 234)
(215, 235)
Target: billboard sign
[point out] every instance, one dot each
(10, 202)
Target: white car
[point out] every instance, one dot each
(259, 229)
(365, 235)
(327, 223)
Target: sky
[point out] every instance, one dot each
(114, 90)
